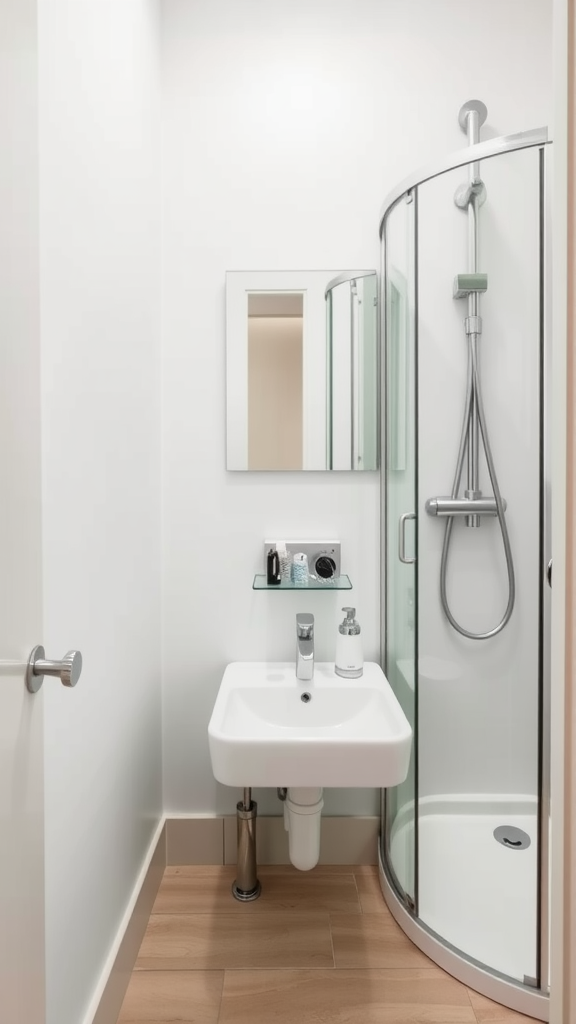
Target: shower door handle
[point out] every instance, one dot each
(402, 537)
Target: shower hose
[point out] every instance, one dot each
(474, 391)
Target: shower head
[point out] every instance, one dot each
(472, 105)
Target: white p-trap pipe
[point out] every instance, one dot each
(303, 810)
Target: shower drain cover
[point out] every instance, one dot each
(512, 837)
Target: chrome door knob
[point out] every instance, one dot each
(68, 670)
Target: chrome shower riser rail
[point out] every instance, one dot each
(474, 429)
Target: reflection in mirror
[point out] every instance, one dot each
(275, 336)
(301, 355)
(352, 366)
(397, 329)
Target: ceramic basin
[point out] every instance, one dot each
(346, 732)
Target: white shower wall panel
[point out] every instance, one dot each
(478, 699)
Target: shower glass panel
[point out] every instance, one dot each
(461, 838)
(400, 598)
(479, 699)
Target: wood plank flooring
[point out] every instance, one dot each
(319, 947)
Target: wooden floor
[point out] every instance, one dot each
(318, 947)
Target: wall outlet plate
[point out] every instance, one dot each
(315, 550)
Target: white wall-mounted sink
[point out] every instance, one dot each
(350, 732)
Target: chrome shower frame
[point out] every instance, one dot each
(523, 998)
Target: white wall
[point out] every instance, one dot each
(99, 229)
(284, 129)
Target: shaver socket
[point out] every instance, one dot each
(314, 549)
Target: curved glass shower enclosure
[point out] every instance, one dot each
(464, 842)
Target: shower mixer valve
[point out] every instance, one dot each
(478, 506)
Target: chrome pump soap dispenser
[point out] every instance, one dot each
(349, 659)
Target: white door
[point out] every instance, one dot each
(21, 774)
(22, 980)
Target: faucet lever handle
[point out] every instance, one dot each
(305, 625)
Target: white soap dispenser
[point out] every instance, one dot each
(349, 659)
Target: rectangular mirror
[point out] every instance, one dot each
(301, 369)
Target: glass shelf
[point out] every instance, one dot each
(338, 583)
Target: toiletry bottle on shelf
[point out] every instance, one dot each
(273, 568)
(349, 659)
(300, 569)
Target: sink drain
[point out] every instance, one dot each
(306, 697)
(512, 837)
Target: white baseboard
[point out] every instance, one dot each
(108, 997)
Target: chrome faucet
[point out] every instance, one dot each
(305, 649)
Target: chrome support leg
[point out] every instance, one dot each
(246, 886)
